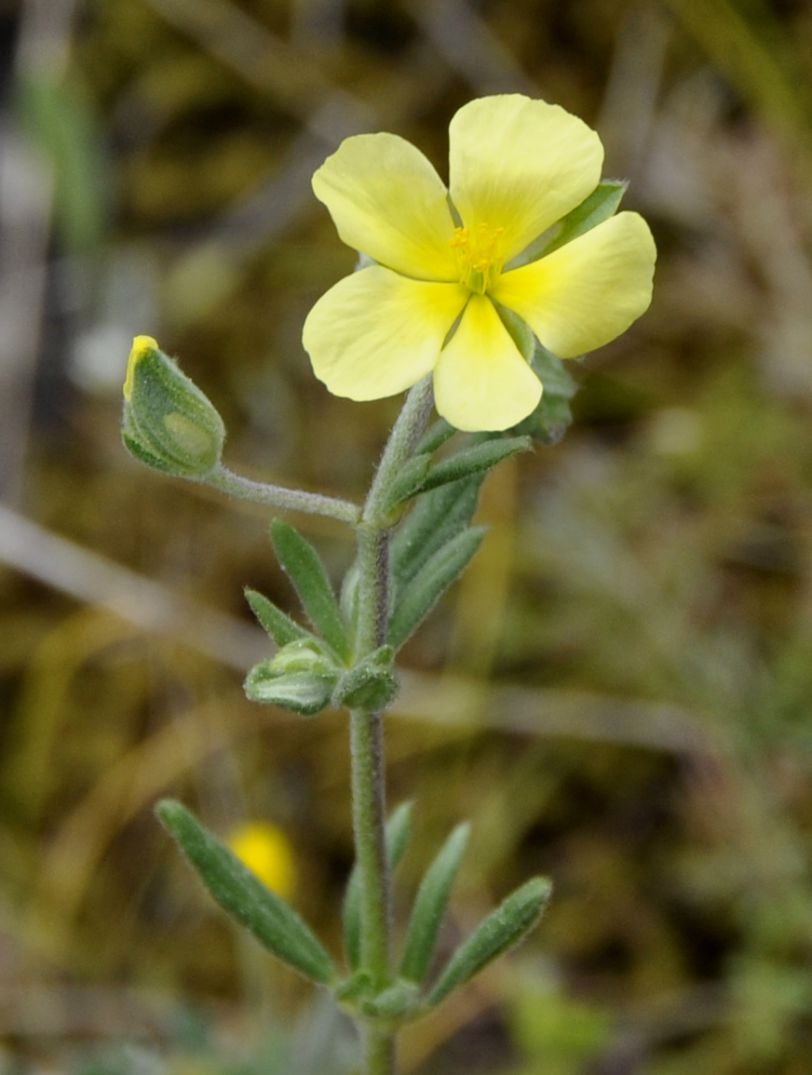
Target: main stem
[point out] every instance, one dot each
(366, 726)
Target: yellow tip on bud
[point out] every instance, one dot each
(142, 345)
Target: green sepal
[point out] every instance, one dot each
(371, 684)
(302, 692)
(553, 416)
(398, 831)
(518, 330)
(276, 623)
(477, 459)
(501, 930)
(397, 1002)
(436, 518)
(139, 452)
(309, 577)
(435, 436)
(430, 905)
(421, 593)
(243, 896)
(601, 204)
(167, 422)
(598, 206)
(409, 481)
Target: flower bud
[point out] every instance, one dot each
(303, 655)
(168, 422)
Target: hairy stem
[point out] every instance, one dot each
(366, 727)
(279, 497)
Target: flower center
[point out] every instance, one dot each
(479, 256)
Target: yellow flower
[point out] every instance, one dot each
(267, 852)
(447, 259)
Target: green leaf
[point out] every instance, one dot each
(420, 595)
(430, 904)
(309, 577)
(409, 481)
(302, 692)
(398, 831)
(501, 930)
(273, 620)
(371, 684)
(243, 896)
(436, 518)
(436, 436)
(478, 459)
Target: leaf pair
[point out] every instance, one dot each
(307, 671)
(431, 548)
(283, 932)
(419, 475)
(304, 566)
(499, 931)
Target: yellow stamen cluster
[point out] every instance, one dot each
(479, 256)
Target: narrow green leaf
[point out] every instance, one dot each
(437, 517)
(420, 595)
(409, 480)
(501, 930)
(430, 904)
(477, 459)
(243, 896)
(436, 436)
(273, 620)
(398, 831)
(308, 575)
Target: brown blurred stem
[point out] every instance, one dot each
(366, 727)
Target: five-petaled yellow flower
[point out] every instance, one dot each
(444, 260)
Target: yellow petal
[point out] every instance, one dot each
(520, 164)
(376, 333)
(388, 202)
(585, 293)
(481, 381)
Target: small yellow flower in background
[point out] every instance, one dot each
(267, 852)
(517, 166)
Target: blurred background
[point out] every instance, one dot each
(618, 693)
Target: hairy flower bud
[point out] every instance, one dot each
(168, 423)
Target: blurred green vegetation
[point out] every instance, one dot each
(618, 693)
